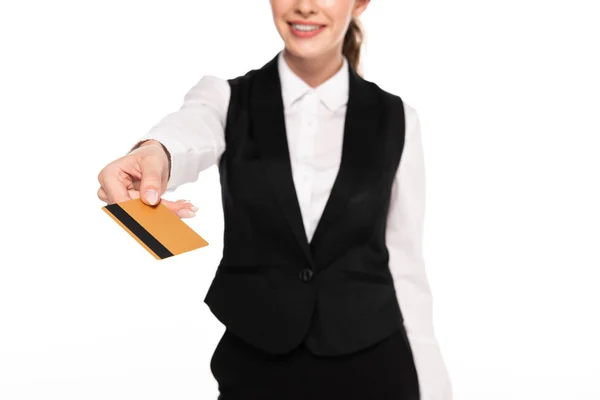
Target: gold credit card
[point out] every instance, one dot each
(156, 228)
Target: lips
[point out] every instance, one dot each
(305, 29)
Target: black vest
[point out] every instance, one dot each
(273, 288)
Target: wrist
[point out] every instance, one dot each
(154, 142)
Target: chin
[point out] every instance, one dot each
(304, 50)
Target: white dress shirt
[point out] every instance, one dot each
(314, 117)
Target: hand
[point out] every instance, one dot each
(144, 172)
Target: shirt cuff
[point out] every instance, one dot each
(178, 157)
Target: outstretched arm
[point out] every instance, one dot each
(194, 135)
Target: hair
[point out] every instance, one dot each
(352, 44)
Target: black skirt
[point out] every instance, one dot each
(384, 371)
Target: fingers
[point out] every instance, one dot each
(183, 208)
(133, 194)
(153, 180)
(102, 195)
(112, 187)
(119, 178)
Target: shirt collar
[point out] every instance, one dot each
(333, 92)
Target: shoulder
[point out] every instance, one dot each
(215, 87)
(243, 79)
(396, 104)
(209, 87)
(394, 101)
(220, 90)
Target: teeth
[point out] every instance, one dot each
(305, 28)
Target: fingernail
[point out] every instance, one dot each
(184, 213)
(152, 196)
(194, 208)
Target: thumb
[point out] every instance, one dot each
(151, 185)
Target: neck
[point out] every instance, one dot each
(314, 71)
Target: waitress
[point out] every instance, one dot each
(322, 286)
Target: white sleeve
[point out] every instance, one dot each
(195, 134)
(404, 236)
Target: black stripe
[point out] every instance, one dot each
(139, 231)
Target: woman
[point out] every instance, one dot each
(322, 286)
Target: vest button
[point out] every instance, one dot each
(306, 274)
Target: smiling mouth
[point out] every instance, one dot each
(304, 29)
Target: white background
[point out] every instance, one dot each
(508, 95)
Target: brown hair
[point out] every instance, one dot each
(352, 43)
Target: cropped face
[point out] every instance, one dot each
(313, 28)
